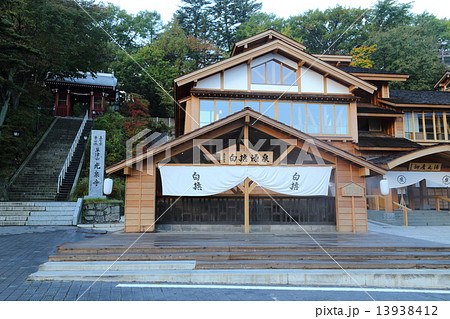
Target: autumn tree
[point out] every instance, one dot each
(361, 56)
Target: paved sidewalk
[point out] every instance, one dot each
(437, 234)
(23, 249)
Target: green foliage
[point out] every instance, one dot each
(82, 189)
(216, 20)
(31, 124)
(361, 56)
(115, 147)
(389, 14)
(408, 50)
(333, 31)
(260, 22)
(130, 31)
(151, 70)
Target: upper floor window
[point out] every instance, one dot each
(273, 72)
(427, 126)
(326, 119)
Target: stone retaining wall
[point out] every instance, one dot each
(102, 213)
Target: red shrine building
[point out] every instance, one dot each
(273, 136)
(75, 96)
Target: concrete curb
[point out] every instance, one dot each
(424, 279)
(77, 212)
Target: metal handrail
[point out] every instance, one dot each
(69, 156)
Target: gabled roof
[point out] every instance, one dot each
(235, 118)
(395, 160)
(87, 79)
(412, 98)
(281, 47)
(261, 38)
(374, 74)
(443, 81)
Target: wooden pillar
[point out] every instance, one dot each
(388, 199)
(423, 195)
(103, 103)
(56, 103)
(91, 105)
(246, 184)
(411, 197)
(247, 205)
(68, 103)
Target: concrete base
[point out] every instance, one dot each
(182, 272)
(240, 228)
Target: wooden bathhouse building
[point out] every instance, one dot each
(89, 92)
(274, 137)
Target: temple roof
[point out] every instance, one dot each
(88, 79)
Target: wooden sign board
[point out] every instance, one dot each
(246, 158)
(425, 167)
(352, 189)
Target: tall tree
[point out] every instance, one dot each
(14, 53)
(260, 22)
(333, 31)
(388, 14)
(151, 70)
(227, 16)
(193, 17)
(132, 31)
(62, 37)
(409, 50)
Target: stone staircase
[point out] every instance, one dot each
(39, 213)
(37, 180)
(415, 218)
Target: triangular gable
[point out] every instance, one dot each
(261, 38)
(282, 48)
(236, 120)
(444, 81)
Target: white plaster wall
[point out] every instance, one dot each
(311, 82)
(236, 78)
(210, 82)
(336, 87)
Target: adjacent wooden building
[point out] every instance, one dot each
(291, 112)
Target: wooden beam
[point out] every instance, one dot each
(364, 171)
(127, 171)
(282, 156)
(209, 155)
(252, 187)
(189, 142)
(352, 88)
(246, 135)
(246, 206)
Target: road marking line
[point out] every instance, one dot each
(427, 291)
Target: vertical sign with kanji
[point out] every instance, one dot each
(97, 166)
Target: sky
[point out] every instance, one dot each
(285, 8)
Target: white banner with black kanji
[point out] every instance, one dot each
(398, 179)
(211, 180)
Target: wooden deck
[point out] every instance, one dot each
(263, 251)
